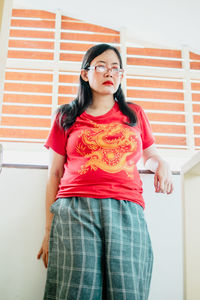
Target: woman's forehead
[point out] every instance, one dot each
(108, 56)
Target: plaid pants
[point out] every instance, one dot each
(99, 250)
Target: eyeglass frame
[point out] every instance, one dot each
(119, 73)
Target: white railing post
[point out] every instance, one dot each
(188, 99)
(56, 61)
(124, 57)
(5, 16)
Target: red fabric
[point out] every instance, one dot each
(101, 155)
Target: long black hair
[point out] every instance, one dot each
(67, 113)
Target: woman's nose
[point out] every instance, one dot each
(109, 72)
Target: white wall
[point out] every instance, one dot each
(164, 218)
(22, 277)
(192, 234)
(22, 193)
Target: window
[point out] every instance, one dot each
(44, 58)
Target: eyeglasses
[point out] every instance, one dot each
(115, 71)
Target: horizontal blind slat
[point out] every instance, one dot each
(22, 133)
(29, 122)
(154, 52)
(32, 13)
(26, 110)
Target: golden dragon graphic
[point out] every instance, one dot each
(107, 146)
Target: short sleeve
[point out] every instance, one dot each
(146, 131)
(57, 138)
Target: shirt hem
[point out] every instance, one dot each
(137, 201)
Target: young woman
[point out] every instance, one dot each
(98, 245)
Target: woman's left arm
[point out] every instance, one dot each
(155, 163)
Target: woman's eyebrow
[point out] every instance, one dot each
(102, 61)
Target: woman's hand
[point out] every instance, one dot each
(163, 179)
(44, 250)
(55, 172)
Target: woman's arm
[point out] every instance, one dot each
(55, 172)
(163, 177)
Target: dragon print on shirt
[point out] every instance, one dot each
(107, 146)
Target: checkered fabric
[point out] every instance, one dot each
(99, 250)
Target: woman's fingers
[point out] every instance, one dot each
(170, 188)
(163, 185)
(44, 255)
(45, 259)
(159, 184)
(40, 253)
(44, 250)
(156, 183)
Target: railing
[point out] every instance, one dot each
(1, 157)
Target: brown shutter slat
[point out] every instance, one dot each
(20, 76)
(23, 133)
(32, 34)
(64, 100)
(161, 106)
(68, 78)
(31, 13)
(31, 44)
(161, 117)
(154, 52)
(28, 87)
(154, 83)
(168, 128)
(171, 140)
(30, 122)
(29, 110)
(30, 55)
(90, 37)
(155, 94)
(79, 26)
(154, 62)
(20, 98)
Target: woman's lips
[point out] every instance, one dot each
(108, 83)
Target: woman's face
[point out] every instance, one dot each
(106, 82)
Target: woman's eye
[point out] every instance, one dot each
(115, 69)
(100, 68)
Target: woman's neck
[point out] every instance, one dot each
(102, 102)
(100, 105)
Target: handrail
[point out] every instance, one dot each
(1, 157)
(34, 166)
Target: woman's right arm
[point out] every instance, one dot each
(55, 172)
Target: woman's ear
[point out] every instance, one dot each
(84, 75)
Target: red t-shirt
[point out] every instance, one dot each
(101, 155)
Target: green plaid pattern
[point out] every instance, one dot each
(99, 249)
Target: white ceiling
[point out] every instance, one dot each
(152, 23)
